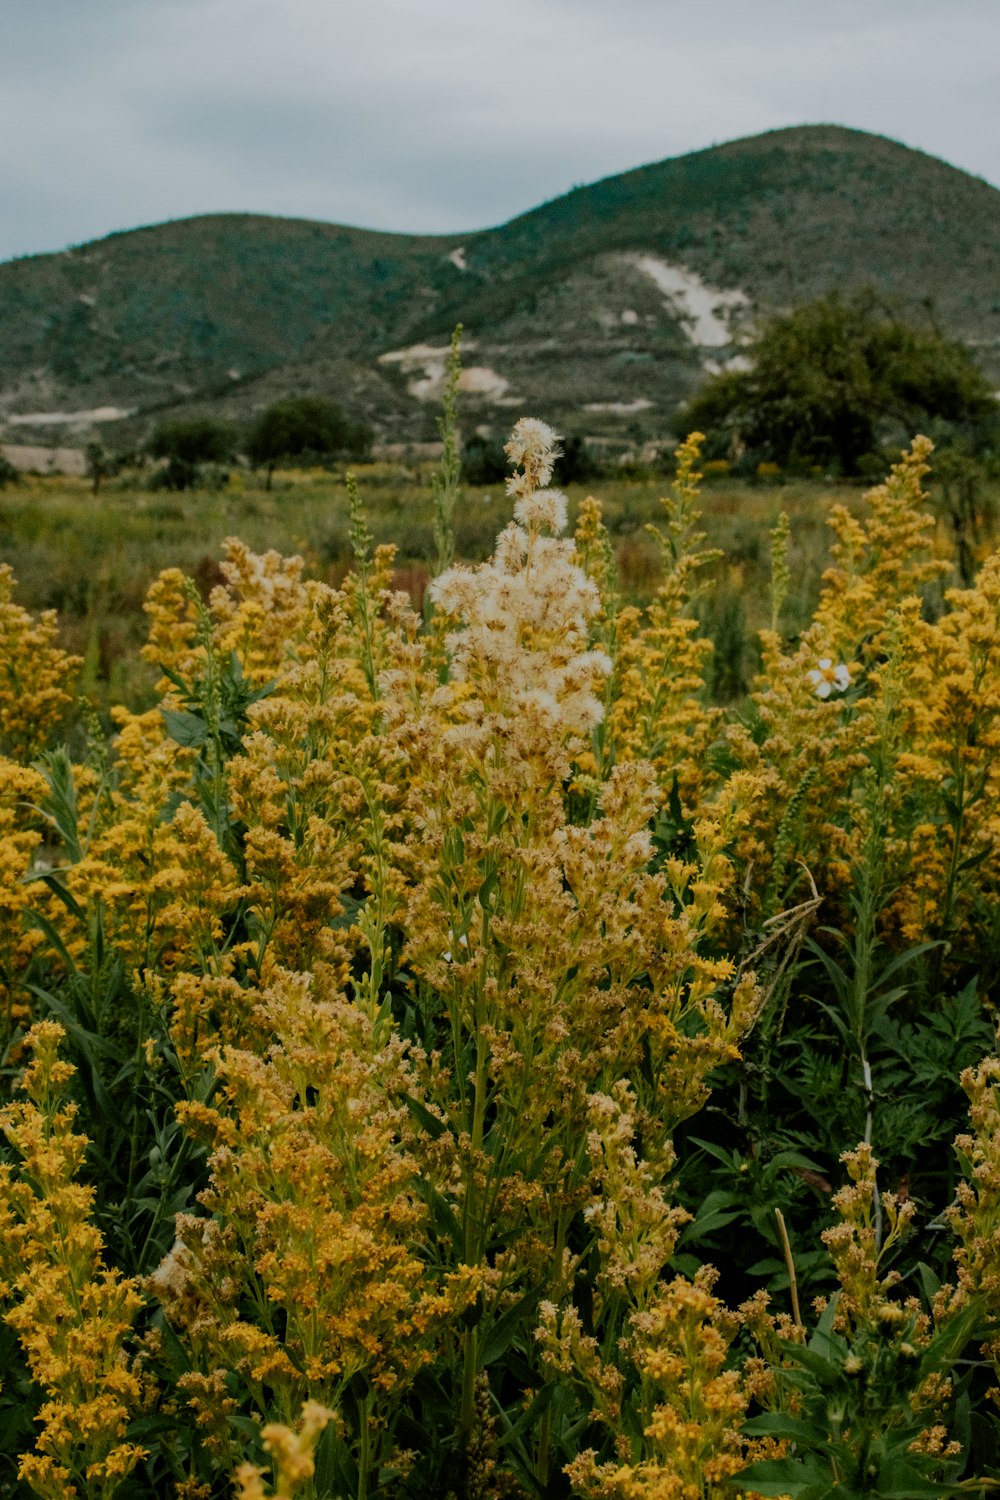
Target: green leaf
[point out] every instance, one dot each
(41, 921)
(898, 1480)
(783, 1476)
(902, 960)
(929, 1281)
(504, 1330)
(825, 1371)
(50, 878)
(781, 1424)
(718, 1209)
(541, 1402)
(187, 729)
(434, 1127)
(488, 891)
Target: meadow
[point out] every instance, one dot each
(92, 558)
(457, 1042)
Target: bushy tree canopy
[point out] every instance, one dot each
(837, 379)
(8, 473)
(188, 443)
(194, 440)
(305, 427)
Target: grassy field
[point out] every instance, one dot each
(92, 558)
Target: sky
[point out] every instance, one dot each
(446, 115)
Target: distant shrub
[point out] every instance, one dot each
(195, 440)
(187, 445)
(577, 463)
(100, 463)
(8, 473)
(483, 460)
(968, 504)
(305, 428)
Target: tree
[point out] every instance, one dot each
(188, 443)
(100, 463)
(305, 427)
(834, 381)
(484, 460)
(577, 462)
(8, 473)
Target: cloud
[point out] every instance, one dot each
(450, 114)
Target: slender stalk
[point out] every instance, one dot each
(793, 1285)
(957, 830)
(446, 480)
(365, 606)
(365, 1454)
(543, 1456)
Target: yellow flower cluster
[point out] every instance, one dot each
(913, 697)
(36, 675)
(21, 790)
(870, 1225)
(70, 1311)
(312, 1210)
(441, 993)
(692, 1407)
(292, 1452)
(975, 1216)
(659, 713)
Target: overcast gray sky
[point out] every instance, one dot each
(444, 115)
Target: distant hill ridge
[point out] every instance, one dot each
(599, 310)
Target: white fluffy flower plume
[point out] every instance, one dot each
(526, 611)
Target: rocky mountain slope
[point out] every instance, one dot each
(600, 310)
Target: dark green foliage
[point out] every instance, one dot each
(305, 428)
(577, 463)
(196, 440)
(188, 446)
(100, 463)
(483, 460)
(967, 502)
(854, 1428)
(8, 473)
(833, 382)
(730, 667)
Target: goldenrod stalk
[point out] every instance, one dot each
(793, 1285)
(445, 483)
(365, 605)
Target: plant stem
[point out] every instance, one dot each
(445, 482)
(364, 1457)
(793, 1285)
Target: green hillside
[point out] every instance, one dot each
(564, 307)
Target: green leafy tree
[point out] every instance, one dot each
(305, 427)
(100, 463)
(189, 443)
(483, 459)
(8, 473)
(834, 381)
(577, 462)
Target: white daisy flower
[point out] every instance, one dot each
(825, 677)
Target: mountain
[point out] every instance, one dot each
(599, 310)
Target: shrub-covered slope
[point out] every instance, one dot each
(602, 307)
